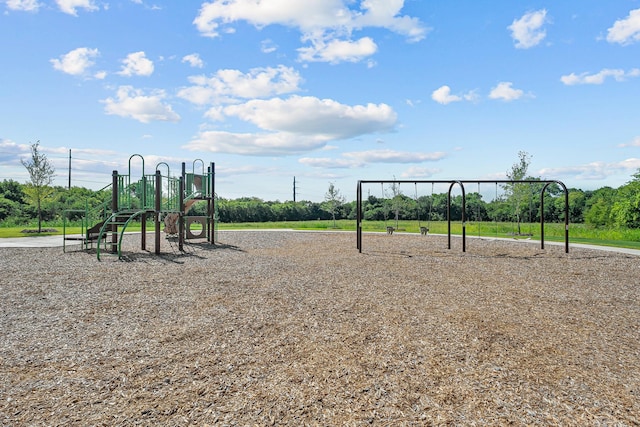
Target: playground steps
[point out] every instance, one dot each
(91, 234)
(115, 227)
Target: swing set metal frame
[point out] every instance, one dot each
(452, 183)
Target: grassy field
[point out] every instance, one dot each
(578, 233)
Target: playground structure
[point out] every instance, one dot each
(165, 198)
(460, 183)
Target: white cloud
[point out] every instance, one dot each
(313, 116)
(255, 144)
(392, 156)
(625, 31)
(362, 158)
(527, 31)
(24, 5)
(330, 163)
(326, 24)
(10, 151)
(135, 104)
(415, 172)
(443, 95)
(76, 62)
(268, 46)
(194, 60)
(230, 85)
(335, 51)
(506, 92)
(136, 64)
(70, 6)
(594, 170)
(385, 14)
(294, 125)
(600, 77)
(634, 143)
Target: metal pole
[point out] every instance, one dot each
(157, 211)
(181, 217)
(114, 210)
(213, 203)
(69, 169)
(359, 217)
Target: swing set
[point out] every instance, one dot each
(461, 183)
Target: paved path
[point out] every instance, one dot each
(56, 241)
(35, 242)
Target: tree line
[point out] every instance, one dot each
(604, 207)
(520, 202)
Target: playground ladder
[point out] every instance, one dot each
(115, 226)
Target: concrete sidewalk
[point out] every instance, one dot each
(57, 241)
(35, 242)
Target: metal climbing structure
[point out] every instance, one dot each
(162, 198)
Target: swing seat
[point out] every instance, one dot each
(424, 231)
(390, 230)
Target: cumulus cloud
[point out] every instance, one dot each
(136, 64)
(634, 143)
(70, 6)
(133, 103)
(309, 115)
(599, 77)
(268, 46)
(330, 163)
(625, 31)
(295, 125)
(419, 172)
(594, 170)
(194, 60)
(24, 5)
(10, 151)
(76, 62)
(528, 31)
(506, 92)
(230, 85)
(255, 144)
(361, 158)
(335, 51)
(443, 96)
(392, 156)
(326, 24)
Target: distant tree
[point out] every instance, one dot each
(41, 174)
(626, 208)
(396, 199)
(332, 201)
(598, 207)
(518, 194)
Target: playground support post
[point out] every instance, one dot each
(464, 226)
(156, 207)
(181, 217)
(114, 209)
(143, 218)
(212, 204)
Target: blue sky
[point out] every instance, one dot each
(323, 90)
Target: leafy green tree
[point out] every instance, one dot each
(41, 174)
(626, 207)
(332, 201)
(598, 207)
(518, 194)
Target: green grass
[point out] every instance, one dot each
(578, 233)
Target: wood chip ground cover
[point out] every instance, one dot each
(293, 328)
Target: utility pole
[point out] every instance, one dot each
(294, 189)
(69, 168)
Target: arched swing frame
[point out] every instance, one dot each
(452, 183)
